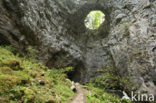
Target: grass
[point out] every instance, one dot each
(23, 80)
(98, 95)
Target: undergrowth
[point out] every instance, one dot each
(24, 80)
(98, 95)
(109, 79)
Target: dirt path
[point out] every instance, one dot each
(80, 96)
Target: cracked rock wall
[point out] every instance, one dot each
(126, 40)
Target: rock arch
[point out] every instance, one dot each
(57, 27)
(77, 18)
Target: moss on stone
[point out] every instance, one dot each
(14, 64)
(25, 80)
(8, 82)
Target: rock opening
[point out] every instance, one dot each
(94, 19)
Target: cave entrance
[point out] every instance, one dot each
(78, 74)
(94, 19)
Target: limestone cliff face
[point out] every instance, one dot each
(126, 40)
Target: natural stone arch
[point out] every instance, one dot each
(53, 25)
(83, 36)
(77, 18)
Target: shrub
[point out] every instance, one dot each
(110, 79)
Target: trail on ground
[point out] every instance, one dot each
(80, 96)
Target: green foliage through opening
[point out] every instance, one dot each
(94, 19)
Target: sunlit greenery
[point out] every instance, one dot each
(98, 95)
(24, 80)
(110, 79)
(94, 19)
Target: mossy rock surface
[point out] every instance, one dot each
(14, 64)
(24, 80)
